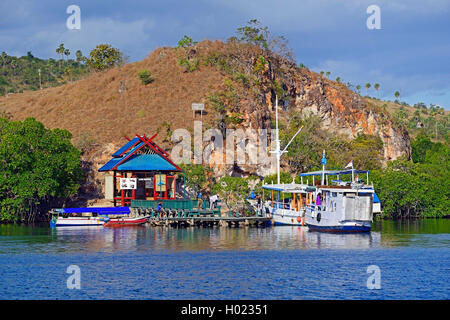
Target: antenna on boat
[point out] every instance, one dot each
(278, 152)
(324, 162)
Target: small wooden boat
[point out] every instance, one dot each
(94, 216)
(126, 221)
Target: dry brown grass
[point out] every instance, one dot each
(94, 106)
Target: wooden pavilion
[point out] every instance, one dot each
(141, 170)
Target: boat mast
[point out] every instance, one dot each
(278, 152)
(277, 141)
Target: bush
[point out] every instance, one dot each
(189, 65)
(145, 76)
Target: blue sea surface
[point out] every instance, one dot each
(226, 263)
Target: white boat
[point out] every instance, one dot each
(85, 219)
(341, 207)
(347, 207)
(287, 204)
(94, 216)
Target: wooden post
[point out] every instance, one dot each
(114, 188)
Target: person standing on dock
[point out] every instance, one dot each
(199, 200)
(213, 200)
(159, 208)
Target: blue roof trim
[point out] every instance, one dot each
(127, 146)
(140, 162)
(375, 198)
(110, 164)
(98, 210)
(268, 187)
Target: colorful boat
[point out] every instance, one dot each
(95, 216)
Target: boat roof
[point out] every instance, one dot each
(98, 210)
(288, 187)
(332, 172)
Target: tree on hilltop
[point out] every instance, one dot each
(104, 56)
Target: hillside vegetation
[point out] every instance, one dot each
(18, 74)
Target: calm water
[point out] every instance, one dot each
(225, 263)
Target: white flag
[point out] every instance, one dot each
(349, 165)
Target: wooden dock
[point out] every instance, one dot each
(210, 221)
(185, 213)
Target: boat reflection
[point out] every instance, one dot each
(147, 238)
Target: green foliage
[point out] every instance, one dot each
(22, 73)
(145, 76)
(254, 33)
(423, 146)
(416, 189)
(195, 176)
(186, 42)
(104, 56)
(400, 117)
(189, 65)
(39, 168)
(305, 151)
(233, 191)
(234, 118)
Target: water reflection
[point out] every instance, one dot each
(203, 239)
(33, 239)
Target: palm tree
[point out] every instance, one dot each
(328, 73)
(397, 94)
(67, 52)
(60, 50)
(367, 86)
(338, 79)
(358, 88)
(376, 86)
(321, 73)
(80, 57)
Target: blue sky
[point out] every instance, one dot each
(410, 53)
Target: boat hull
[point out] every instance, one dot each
(77, 222)
(331, 221)
(340, 229)
(122, 222)
(286, 217)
